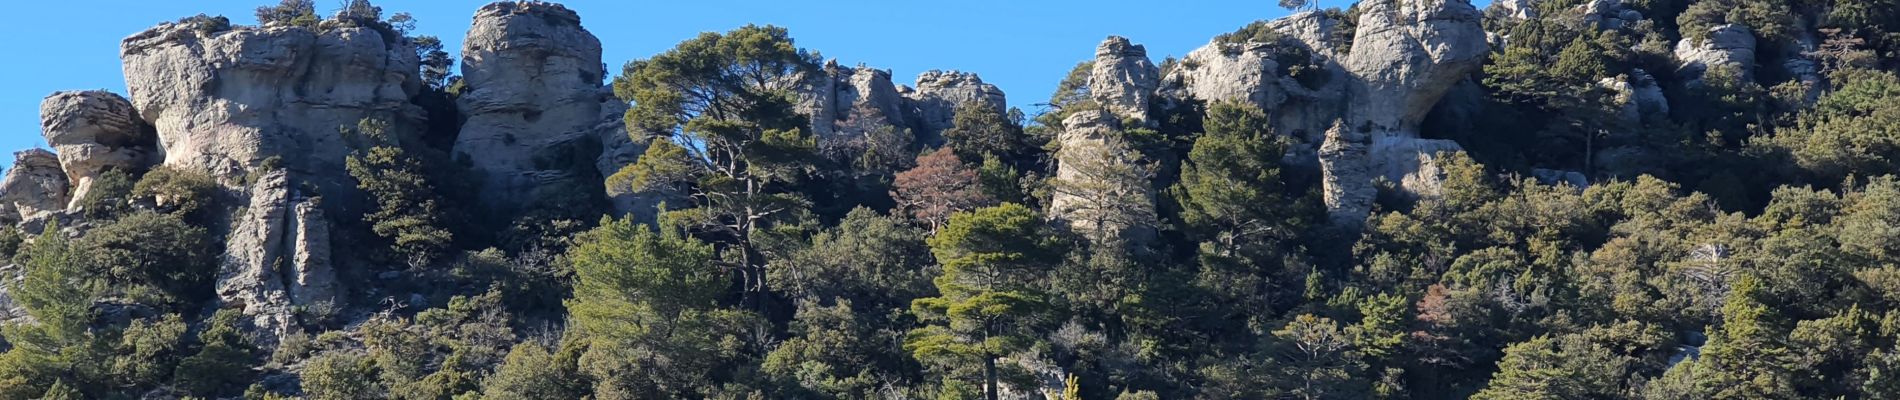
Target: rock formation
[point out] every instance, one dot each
(1252, 72)
(537, 117)
(278, 257)
(1101, 187)
(1123, 80)
(849, 100)
(1726, 45)
(94, 131)
(224, 102)
(1405, 55)
(933, 103)
(265, 111)
(36, 188)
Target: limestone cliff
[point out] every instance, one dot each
(932, 104)
(224, 102)
(538, 118)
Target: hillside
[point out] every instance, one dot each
(1404, 199)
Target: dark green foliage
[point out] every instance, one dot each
(175, 191)
(1851, 131)
(341, 375)
(153, 258)
(223, 363)
(648, 305)
(979, 131)
(990, 302)
(408, 212)
(715, 96)
(206, 24)
(531, 373)
(110, 195)
(290, 12)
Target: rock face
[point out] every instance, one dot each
(1726, 45)
(94, 131)
(1252, 72)
(278, 257)
(224, 102)
(932, 105)
(1405, 55)
(1102, 190)
(537, 117)
(264, 111)
(1123, 80)
(36, 188)
(849, 100)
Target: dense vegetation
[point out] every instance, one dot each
(1752, 252)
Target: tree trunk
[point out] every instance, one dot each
(989, 375)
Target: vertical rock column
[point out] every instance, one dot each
(1123, 80)
(539, 123)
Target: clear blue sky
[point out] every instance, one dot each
(1022, 46)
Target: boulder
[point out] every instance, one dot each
(1513, 9)
(36, 188)
(277, 261)
(1123, 80)
(94, 131)
(1727, 45)
(933, 103)
(536, 113)
(224, 102)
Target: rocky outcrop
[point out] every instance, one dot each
(1514, 9)
(536, 112)
(1725, 46)
(1609, 14)
(277, 261)
(1123, 80)
(1101, 187)
(1405, 56)
(94, 131)
(36, 188)
(848, 101)
(1637, 96)
(1251, 71)
(933, 103)
(224, 102)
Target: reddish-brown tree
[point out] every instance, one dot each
(939, 186)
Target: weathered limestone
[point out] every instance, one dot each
(534, 103)
(1726, 45)
(1102, 190)
(1123, 80)
(94, 131)
(224, 102)
(932, 105)
(277, 260)
(1405, 56)
(846, 101)
(1251, 72)
(36, 188)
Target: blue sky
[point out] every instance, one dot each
(1022, 46)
